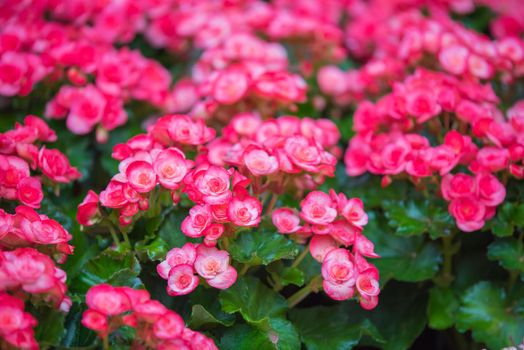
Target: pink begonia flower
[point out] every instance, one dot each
(87, 212)
(244, 212)
(141, 176)
(107, 300)
(213, 265)
(320, 246)
(181, 280)
(285, 220)
(318, 208)
(469, 212)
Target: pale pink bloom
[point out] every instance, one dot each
(318, 208)
(197, 222)
(320, 246)
(141, 176)
(454, 59)
(244, 211)
(285, 220)
(213, 265)
(171, 166)
(181, 280)
(260, 163)
(364, 246)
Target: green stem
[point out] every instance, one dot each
(301, 257)
(105, 342)
(272, 203)
(446, 275)
(244, 269)
(301, 294)
(277, 286)
(126, 239)
(225, 243)
(514, 274)
(113, 234)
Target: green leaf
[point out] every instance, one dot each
(332, 327)
(153, 251)
(417, 217)
(283, 334)
(244, 337)
(400, 316)
(112, 267)
(50, 328)
(76, 334)
(409, 259)
(442, 308)
(253, 300)
(280, 334)
(292, 275)
(261, 247)
(492, 317)
(170, 229)
(206, 311)
(201, 317)
(509, 253)
(509, 216)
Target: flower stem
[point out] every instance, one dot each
(126, 239)
(301, 257)
(301, 294)
(272, 203)
(446, 276)
(244, 269)
(113, 234)
(105, 342)
(514, 274)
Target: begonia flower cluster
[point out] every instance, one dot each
(27, 228)
(335, 224)
(183, 267)
(16, 325)
(474, 134)
(47, 42)
(228, 182)
(30, 242)
(156, 327)
(21, 153)
(395, 37)
(281, 153)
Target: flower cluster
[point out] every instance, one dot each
(335, 224)
(281, 153)
(53, 42)
(147, 161)
(19, 154)
(52, 45)
(389, 143)
(27, 271)
(209, 263)
(16, 325)
(222, 198)
(243, 73)
(156, 327)
(394, 39)
(28, 228)
(237, 71)
(28, 239)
